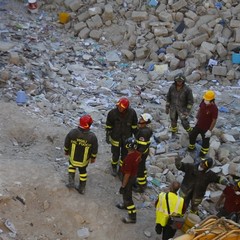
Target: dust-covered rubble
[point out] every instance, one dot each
(126, 48)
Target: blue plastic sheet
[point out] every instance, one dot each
(224, 109)
(153, 3)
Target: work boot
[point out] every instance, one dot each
(190, 149)
(202, 155)
(114, 171)
(81, 188)
(70, 183)
(120, 206)
(129, 220)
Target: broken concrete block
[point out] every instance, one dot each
(197, 41)
(227, 138)
(179, 4)
(108, 13)
(84, 33)
(128, 54)
(138, 16)
(219, 70)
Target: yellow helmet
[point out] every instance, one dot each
(209, 95)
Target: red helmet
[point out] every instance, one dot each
(123, 102)
(85, 121)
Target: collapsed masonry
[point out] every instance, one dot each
(183, 34)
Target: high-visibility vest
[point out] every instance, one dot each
(175, 206)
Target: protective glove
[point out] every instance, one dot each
(208, 134)
(224, 181)
(121, 190)
(107, 138)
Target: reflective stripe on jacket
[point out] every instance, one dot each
(196, 181)
(143, 136)
(175, 206)
(121, 125)
(80, 146)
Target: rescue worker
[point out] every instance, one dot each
(129, 170)
(230, 199)
(176, 206)
(179, 103)
(143, 136)
(81, 145)
(206, 121)
(121, 124)
(196, 180)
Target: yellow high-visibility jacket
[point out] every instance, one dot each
(175, 206)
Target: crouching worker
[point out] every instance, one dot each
(129, 170)
(196, 180)
(230, 199)
(175, 204)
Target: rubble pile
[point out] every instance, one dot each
(109, 49)
(196, 37)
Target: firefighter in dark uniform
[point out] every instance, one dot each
(81, 145)
(179, 103)
(121, 124)
(143, 136)
(196, 180)
(129, 170)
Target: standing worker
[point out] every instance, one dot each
(143, 136)
(206, 121)
(129, 170)
(81, 145)
(179, 103)
(176, 205)
(121, 124)
(196, 180)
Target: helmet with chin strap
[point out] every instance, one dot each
(131, 143)
(146, 117)
(208, 162)
(179, 78)
(209, 95)
(85, 121)
(123, 103)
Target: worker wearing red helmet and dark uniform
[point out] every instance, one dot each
(81, 145)
(121, 124)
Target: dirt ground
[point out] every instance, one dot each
(33, 196)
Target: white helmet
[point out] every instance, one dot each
(146, 117)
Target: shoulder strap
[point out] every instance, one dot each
(167, 204)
